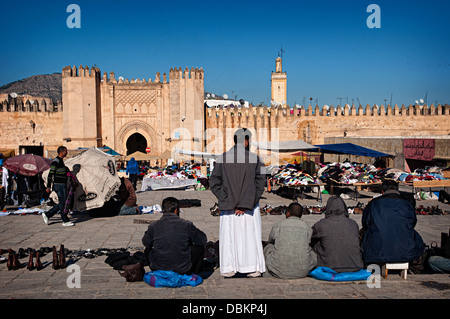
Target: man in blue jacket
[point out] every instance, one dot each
(132, 171)
(388, 224)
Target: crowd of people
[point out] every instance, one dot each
(293, 248)
(20, 189)
(28, 191)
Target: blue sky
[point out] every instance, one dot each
(329, 50)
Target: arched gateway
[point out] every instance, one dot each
(131, 115)
(136, 143)
(137, 136)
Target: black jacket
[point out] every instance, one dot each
(169, 240)
(237, 179)
(389, 237)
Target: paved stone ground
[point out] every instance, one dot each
(100, 281)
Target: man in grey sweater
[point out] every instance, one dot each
(288, 253)
(238, 183)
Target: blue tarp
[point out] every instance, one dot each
(168, 278)
(349, 148)
(325, 273)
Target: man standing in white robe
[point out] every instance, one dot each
(238, 183)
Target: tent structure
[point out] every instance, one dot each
(196, 153)
(284, 146)
(139, 156)
(350, 149)
(7, 153)
(106, 149)
(165, 155)
(110, 151)
(97, 176)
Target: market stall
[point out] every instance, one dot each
(7, 153)
(284, 146)
(27, 169)
(290, 176)
(186, 177)
(293, 179)
(196, 154)
(418, 185)
(164, 183)
(138, 156)
(348, 174)
(349, 149)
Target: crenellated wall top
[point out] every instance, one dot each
(81, 71)
(174, 74)
(194, 73)
(331, 111)
(27, 103)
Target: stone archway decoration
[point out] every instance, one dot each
(137, 127)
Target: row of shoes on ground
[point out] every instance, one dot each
(22, 253)
(13, 262)
(58, 261)
(269, 209)
(59, 258)
(25, 252)
(282, 209)
(358, 209)
(307, 210)
(433, 210)
(279, 210)
(92, 253)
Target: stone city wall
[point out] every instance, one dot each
(315, 127)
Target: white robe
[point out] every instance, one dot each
(5, 180)
(240, 245)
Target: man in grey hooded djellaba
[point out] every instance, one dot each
(335, 239)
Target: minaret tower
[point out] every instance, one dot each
(279, 84)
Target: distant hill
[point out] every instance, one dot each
(49, 85)
(44, 85)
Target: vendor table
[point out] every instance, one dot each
(429, 184)
(166, 183)
(300, 186)
(356, 185)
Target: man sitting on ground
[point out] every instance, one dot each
(174, 243)
(127, 197)
(288, 253)
(123, 203)
(335, 239)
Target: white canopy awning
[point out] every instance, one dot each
(284, 146)
(196, 153)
